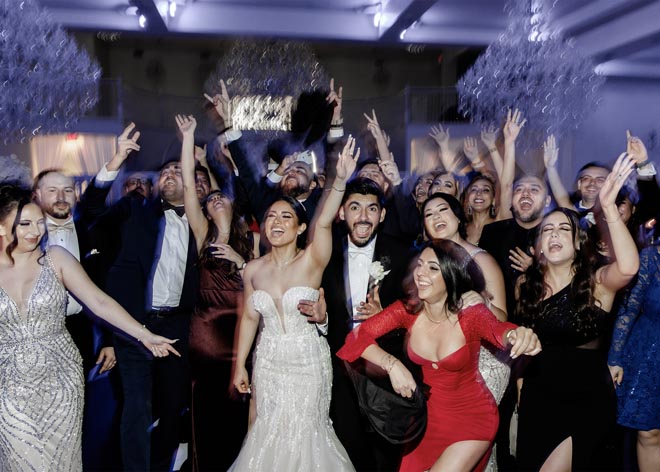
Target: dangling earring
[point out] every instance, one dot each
(469, 210)
(493, 211)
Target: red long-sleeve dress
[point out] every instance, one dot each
(460, 406)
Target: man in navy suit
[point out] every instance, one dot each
(154, 277)
(352, 298)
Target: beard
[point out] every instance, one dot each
(59, 213)
(360, 241)
(534, 214)
(294, 190)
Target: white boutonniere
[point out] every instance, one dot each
(377, 272)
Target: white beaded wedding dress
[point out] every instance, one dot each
(291, 385)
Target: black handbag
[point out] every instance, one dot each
(398, 419)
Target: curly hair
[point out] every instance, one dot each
(459, 272)
(534, 289)
(238, 233)
(466, 200)
(15, 197)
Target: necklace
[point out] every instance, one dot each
(431, 319)
(282, 265)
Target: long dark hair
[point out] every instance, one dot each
(459, 272)
(466, 196)
(301, 215)
(15, 197)
(534, 289)
(238, 233)
(454, 205)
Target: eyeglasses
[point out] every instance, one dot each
(143, 182)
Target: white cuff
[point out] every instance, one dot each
(647, 170)
(274, 177)
(106, 176)
(323, 327)
(232, 135)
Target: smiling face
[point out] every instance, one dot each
(170, 183)
(480, 195)
(590, 182)
(362, 214)
(421, 190)
(298, 179)
(557, 239)
(444, 183)
(530, 198)
(428, 278)
(281, 224)
(202, 185)
(217, 203)
(56, 195)
(440, 221)
(30, 228)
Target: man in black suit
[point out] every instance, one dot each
(154, 277)
(351, 298)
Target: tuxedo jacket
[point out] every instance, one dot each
(140, 224)
(392, 253)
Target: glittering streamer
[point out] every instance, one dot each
(531, 67)
(46, 82)
(262, 113)
(273, 68)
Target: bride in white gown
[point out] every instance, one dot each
(292, 376)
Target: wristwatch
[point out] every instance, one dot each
(243, 265)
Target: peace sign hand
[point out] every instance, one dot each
(222, 103)
(347, 160)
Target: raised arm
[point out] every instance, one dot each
(77, 282)
(200, 156)
(514, 123)
(550, 158)
(617, 274)
(382, 140)
(489, 138)
(198, 223)
(447, 156)
(320, 245)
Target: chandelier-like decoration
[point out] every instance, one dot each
(532, 68)
(265, 78)
(46, 82)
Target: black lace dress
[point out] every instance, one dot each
(567, 389)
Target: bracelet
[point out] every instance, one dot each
(243, 265)
(340, 190)
(143, 328)
(492, 150)
(646, 163)
(390, 360)
(337, 124)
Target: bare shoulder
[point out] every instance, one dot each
(487, 263)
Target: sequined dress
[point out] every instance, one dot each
(41, 382)
(567, 389)
(291, 384)
(636, 348)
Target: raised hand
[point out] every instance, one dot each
(489, 136)
(390, 170)
(336, 98)
(347, 160)
(127, 143)
(222, 103)
(284, 163)
(636, 149)
(186, 125)
(470, 149)
(550, 152)
(523, 341)
(440, 135)
(316, 311)
(514, 123)
(623, 167)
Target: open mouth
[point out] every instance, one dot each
(362, 230)
(525, 203)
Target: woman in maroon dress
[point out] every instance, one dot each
(225, 246)
(446, 322)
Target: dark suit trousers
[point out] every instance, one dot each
(154, 388)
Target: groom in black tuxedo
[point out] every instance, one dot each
(357, 247)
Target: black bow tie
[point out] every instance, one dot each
(179, 210)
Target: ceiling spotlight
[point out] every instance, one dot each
(142, 21)
(172, 9)
(403, 34)
(131, 10)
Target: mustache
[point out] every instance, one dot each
(362, 222)
(61, 202)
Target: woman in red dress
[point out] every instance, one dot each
(446, 322)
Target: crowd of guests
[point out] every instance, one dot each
(514, 297)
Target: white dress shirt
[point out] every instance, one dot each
(359, 260)
(64, 235)
(170, 270)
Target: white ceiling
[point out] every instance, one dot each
(622, 35)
